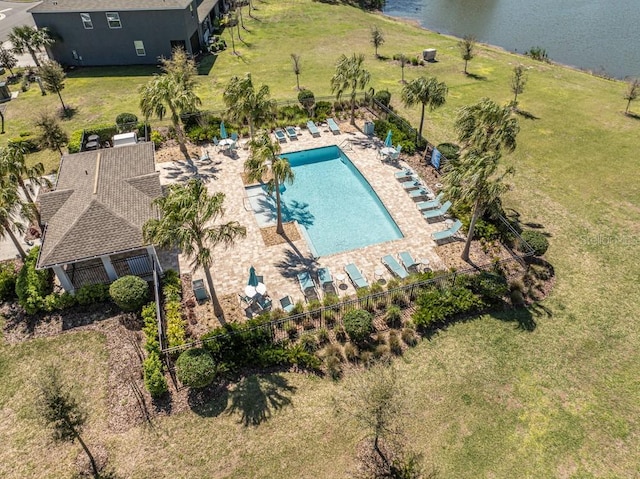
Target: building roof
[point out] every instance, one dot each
(101, 201)
(53, 6)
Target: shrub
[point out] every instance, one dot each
(450, 151)
(92, 293)
(393, 317)
(395, 345)
(58, 302)
(323, 336)
(414, 61)
(175, 324)
(409, 337)
(306, 99)
(75, 141)
(154, 379)
(130, 293)
(537, 240)
(538, 53)
(322, 110)
(8, 276)
(32, 285)
(157, 138)
(491, 287)
(358, 324)
(384, 97)
(517, 298)
(171, 286)
(26, 142)
(334, 367)
(309, 342)
(126, 122)
(292, 331)
(195, 368)
(341, 334)
(150, 328)
(333, 350)
(436, 306)
(382, 353)
(351, 352)
(105, 131)
(297, 308)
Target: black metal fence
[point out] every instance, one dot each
(330, 316)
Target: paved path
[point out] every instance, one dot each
(14, 14)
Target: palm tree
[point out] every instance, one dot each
(11, 208)
(486, 127)
(265, 152)
(426, 92)
(297, 67)
(14, 169)
(377, 38)
(169, 93)
(190, 222)
(245, 104)
(27, 39)
(473, 179)
(484, 130)
(350, 76)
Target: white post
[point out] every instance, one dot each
(108, 267)
(64, 279)
(151, 251)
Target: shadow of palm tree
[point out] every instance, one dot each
(475, 76)
(256, 397)
(526, 114)
(295, 263)
(210, 401)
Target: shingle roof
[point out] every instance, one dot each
(102, 200)
(50, 6)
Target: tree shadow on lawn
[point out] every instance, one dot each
(475, 76)
(256, 397)
(525, 114)
(294, 263)
(210, 401)
(108, 72)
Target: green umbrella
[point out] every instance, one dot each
(253, 278)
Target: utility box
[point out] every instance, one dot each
(368, 128)
(5, 94)
(429, 54)
(125, 139)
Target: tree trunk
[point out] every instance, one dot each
(233, 42)
(64, 108)
(353, 109)
(279, 227)
(32, 52)
(251, 127)
(628, 105)
(465, 67)
(298, 83)
(25, 190)
(94, 467)
(421, 125)
(402, 67)
(239, 22)
(376, 448)
(175, 119)
(217, 307)
(16, 243)
(474, 217)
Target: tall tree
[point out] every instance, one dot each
(518, 81)
(62, 412)
(484, 129)
(377, 38)
(173, 93)
(297, 68)
(53, 76)
(265, 152)
(11, 208)
(426, 92)
(7, 59)
(246, 104)
(27, 39)
(52, 136)
(190, 221)
(467, 48)
(350, 76)
(403, 60)
(633, 88)
(13, 167)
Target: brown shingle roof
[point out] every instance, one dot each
(50, 6)
(102, 200)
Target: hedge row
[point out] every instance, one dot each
(154, 379)
(32, 286)
(172, 292)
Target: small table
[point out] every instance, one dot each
(91, 145)
(448, 223)
(423, 264)
(378, 272)
(226, 142)
(387, 151)
(340, 278)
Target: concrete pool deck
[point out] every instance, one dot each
(280, 264)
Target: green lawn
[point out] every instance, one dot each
(487, 399)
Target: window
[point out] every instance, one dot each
(139, 48)
(113, 19)
(86, 21)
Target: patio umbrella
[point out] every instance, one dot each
(223, 131)
(388, 142)
(253, 278)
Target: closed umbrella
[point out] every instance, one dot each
(223, 131)
(253, 278)
(388, 142)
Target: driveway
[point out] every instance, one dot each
(14, 14)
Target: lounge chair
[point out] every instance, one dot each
(395, 267)
(234, 136)
(419, 193)
(406, 173)
(291, 133)
(411, 184)
(326, 280)
(448, 233)
(431, 214)
(264, 302)
(215, 142)
(356, 276)
(199, 290)
(407, 260)
(286, 304)
(307, 285)
(245, 299)
(205, 155)
(333, 126)
(280, 136)
(313, 129)
(432, 204)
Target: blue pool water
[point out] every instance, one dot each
(332, 201)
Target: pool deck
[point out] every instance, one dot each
(280, 264)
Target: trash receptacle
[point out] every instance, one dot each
(429, 55)
(368, 128)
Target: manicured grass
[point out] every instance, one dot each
(488, 400)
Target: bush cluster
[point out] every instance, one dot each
(437, 306)
(32, 285)
(8, 276)
(26, 141)
(358, 324)
(130, 292)
(126, 122)
(400, 133)
(196, 368)
(154, 379)
(537, 240)
(172, 292)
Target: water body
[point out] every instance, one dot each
(597, 35)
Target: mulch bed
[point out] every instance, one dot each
(271, 238)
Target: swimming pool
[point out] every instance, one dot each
(332, 201)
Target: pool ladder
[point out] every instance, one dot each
(346, 145)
